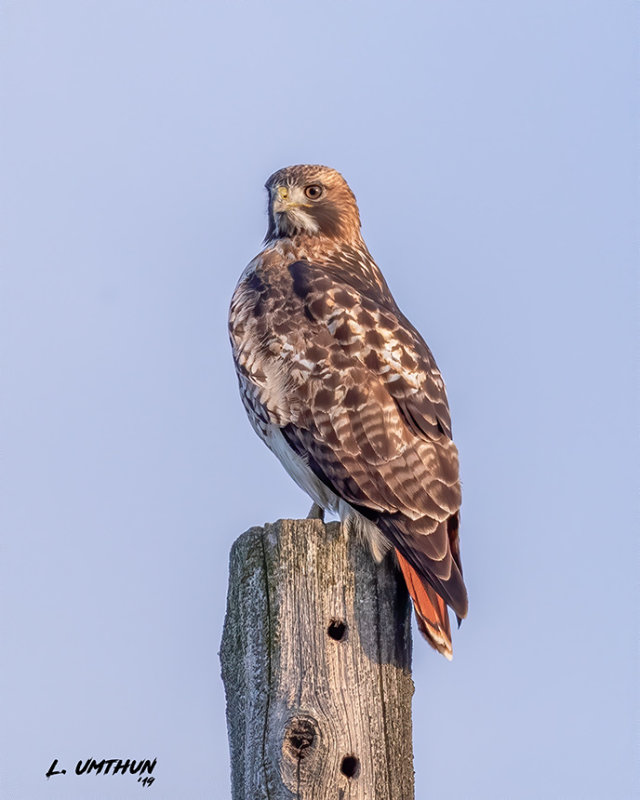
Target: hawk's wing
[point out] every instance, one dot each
(357, 394)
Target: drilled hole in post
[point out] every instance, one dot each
(350, 766)
(337, 629)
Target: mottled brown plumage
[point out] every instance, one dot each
(345, 391)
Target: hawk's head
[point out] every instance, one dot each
(312, 200)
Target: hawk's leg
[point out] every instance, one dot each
(316, 512)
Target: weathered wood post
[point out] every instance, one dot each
(316, 662)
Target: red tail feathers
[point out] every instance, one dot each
(431, 610)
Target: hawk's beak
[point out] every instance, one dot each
(283, 200)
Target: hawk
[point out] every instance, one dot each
(344, 390)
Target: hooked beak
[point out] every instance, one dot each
(283, 201)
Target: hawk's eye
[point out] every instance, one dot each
(313, 192)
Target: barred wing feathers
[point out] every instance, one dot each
(325, 354)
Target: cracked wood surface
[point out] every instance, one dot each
(316, 662)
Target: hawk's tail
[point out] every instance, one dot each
(431, 610)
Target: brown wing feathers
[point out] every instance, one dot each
(380, 443)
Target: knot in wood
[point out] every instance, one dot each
(300, 737)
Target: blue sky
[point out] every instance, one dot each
(491, 146)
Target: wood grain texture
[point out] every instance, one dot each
(316, 662)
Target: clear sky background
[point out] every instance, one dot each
(491, 146)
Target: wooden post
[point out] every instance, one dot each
(316, 662)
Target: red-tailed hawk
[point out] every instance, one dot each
(344, 390)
